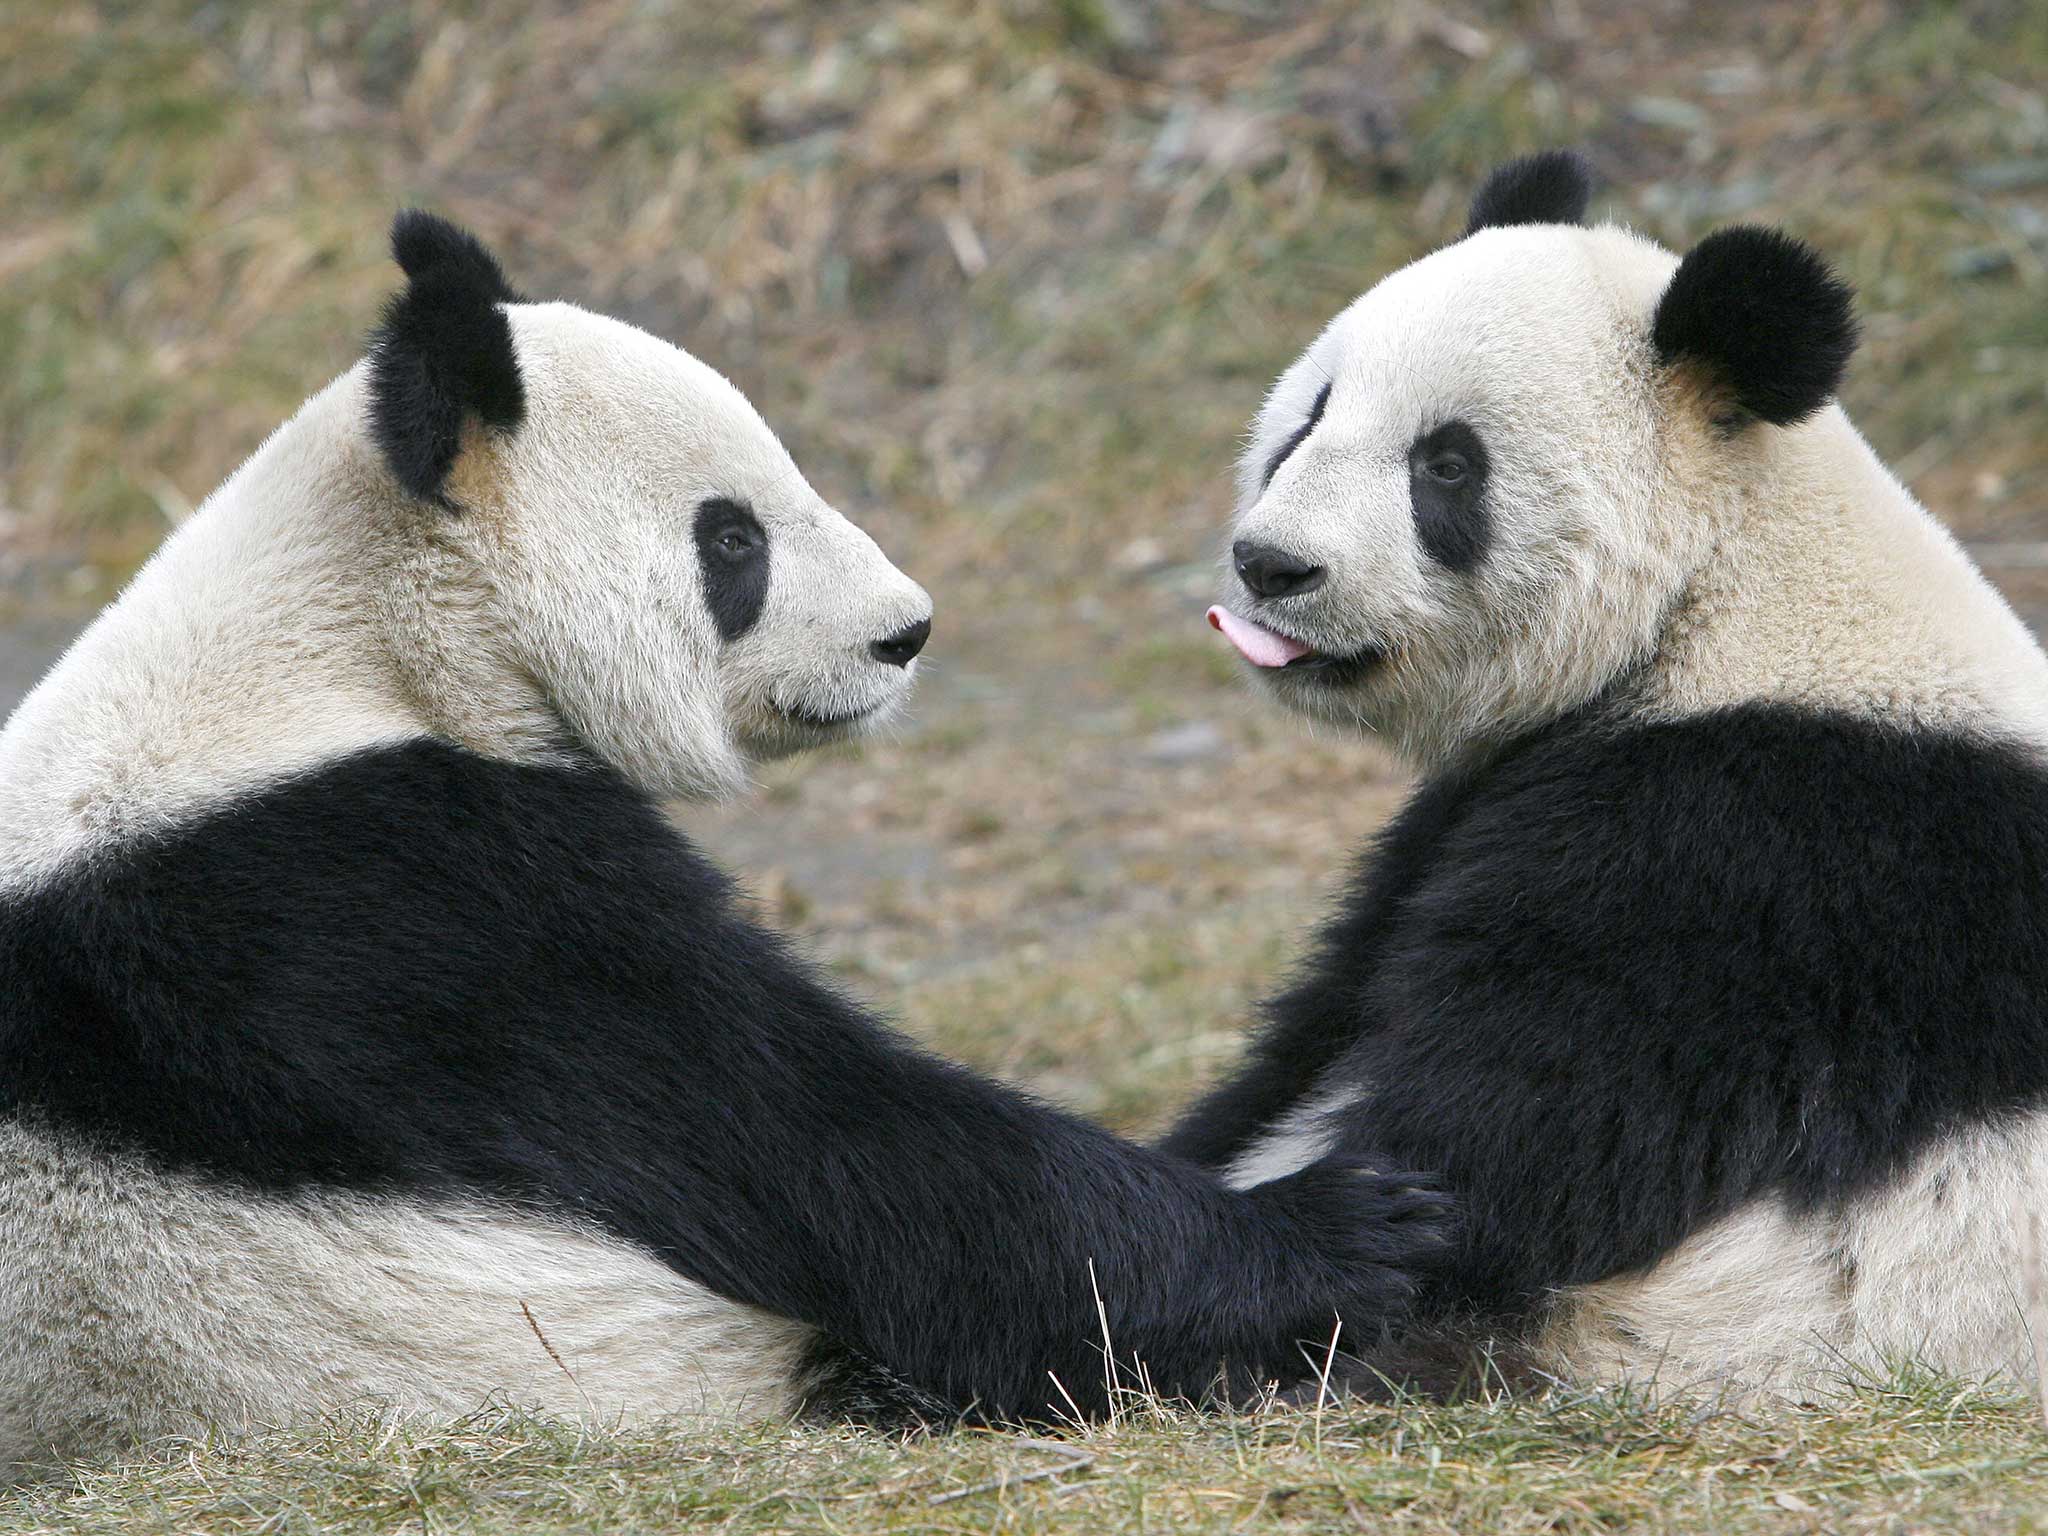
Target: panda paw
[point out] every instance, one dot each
(838, 1384)
(1366, 1239)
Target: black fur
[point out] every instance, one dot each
(840, 1385)
(1764, 317)
(1315, 1021)
(1631, 977)
(442, 354)
(1551, 187)
(1451, 521)
(421, 971)
(732, 552)
(1297, 437)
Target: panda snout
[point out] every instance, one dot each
(901, 648)
(1271, 572)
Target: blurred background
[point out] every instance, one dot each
(1009, 278)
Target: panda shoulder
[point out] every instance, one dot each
(428, 853)
(1828, 829)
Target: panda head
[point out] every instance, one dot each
(1470, 505)
(631, 537)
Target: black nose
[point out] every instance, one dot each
(1273, 572)
(900, 647)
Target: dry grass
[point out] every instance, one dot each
(1010, 277)
(1910, 1454)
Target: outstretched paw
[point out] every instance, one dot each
(838, 1384)
(1379, 1234)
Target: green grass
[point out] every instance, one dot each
(1912, 1454)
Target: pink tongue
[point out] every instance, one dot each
(1257, 644)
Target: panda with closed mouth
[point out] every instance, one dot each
(1708, 963)
(368, 1037)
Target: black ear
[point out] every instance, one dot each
(443, 352)
(1552, 187)
(1764, 317)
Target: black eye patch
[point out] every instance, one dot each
(732, 552)
(1297, 438)
(1447, 491)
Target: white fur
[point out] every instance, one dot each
(1306, 1132)
(135, 1304)
(1634, 544)
(1830, 586)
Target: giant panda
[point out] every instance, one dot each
(368, 1038)
(1707, 965)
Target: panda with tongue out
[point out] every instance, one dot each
(1708, 964)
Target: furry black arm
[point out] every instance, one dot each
(421, 972)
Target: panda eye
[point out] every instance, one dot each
(1447, 469)
(1297, 437)
(733, 558)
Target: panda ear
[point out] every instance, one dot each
(1763, 318)
(443, 352)
(1552, 187)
